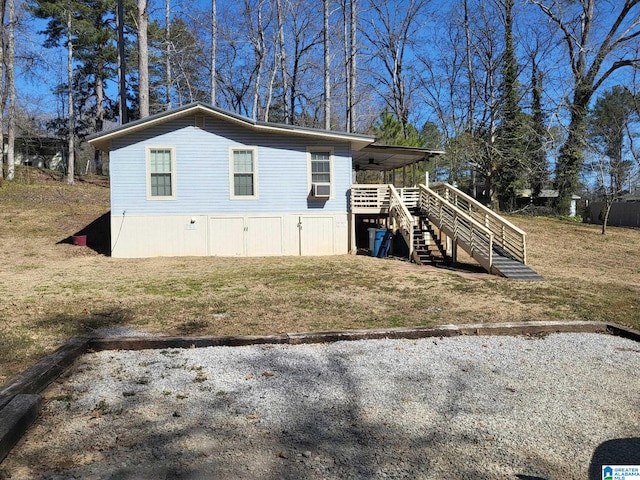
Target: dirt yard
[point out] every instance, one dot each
(52, 290)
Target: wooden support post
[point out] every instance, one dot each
(353, 248)
(426, 173)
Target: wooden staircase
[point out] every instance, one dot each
(427, 247)
(425, 215)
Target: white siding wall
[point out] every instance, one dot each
(203, 219)
(137, 236)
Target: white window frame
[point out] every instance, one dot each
(232, 189)
(172, 150)
(311, 150)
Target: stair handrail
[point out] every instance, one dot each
(506, 235)
(459, 225)
(402, 215)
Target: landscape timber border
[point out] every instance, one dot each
(20, 398)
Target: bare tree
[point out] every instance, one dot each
(3, 90)
(306, 34)
(599, 39)
(392, 31)
(11, 87)
(71, 159)
(349, 51)
(122, 84)
(283, 60)
(143, 58)
(167, 53)
(469, 64)
(214, 45)
(352, 66)
(259, 48)
(327, 74)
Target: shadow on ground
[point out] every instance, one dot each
(98, 235)
(87, 322)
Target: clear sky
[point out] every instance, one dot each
(41, 69)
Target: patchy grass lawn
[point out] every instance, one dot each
(52, 290)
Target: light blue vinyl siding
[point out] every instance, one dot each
(202, 177)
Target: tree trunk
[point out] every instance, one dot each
(470, 72)
(352, 66)
(347, 71)
(571, 156)
(71, 146)
(605, 217)
(214, 45)
(283, 63)
(11, 85)
(167, 60)
(3, 91)
(327, 76)
(143, 59)
(99, 121)
(259, 49)
(122, 84)
(272, 81)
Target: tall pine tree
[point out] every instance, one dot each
(510, 165)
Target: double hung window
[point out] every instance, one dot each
(243, 173)
(161, 173)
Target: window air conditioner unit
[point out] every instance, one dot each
(321, 190)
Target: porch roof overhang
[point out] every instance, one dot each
(389, 157)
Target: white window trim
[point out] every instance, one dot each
(174, 185)
(232, 194)
(310, 150)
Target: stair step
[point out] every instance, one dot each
(513, 269)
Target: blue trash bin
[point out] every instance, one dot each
(385, 243)
(376, 236)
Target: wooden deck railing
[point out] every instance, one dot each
(399, 211)
(506, 235)
(472, 236)
(370, 198)
(376, 196)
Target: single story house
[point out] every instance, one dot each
(545, 198)
(199, 181)
(36, 150)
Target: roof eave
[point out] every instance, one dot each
(102, 141)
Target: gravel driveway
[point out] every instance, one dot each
(460, 407)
